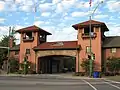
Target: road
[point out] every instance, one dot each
(31, 83)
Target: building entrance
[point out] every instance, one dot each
(56, 64)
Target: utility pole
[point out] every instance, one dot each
(91, 65)
(90, 27)
(10, 35)
(8, 64)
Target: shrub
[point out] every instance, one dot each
(113, 65)
(29, 68)
(85, 65)
(13, 65)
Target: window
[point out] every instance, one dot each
(16, 52)
(113, 50)
(87, 49)
(87, 30)
(28, 35)
(27, 51)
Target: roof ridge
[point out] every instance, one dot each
(91, 20)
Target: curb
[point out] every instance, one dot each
(39, 76)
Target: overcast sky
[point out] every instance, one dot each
(57, 16)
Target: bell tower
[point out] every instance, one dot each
(30, 37)
(97, 37)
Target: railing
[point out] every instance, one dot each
(25, 39)
(86, 35)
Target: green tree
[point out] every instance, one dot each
(14, 64)
(29, 67)
(85, 65)
(3, 52)
(113, 64)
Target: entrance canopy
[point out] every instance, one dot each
(68, 48)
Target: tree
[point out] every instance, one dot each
(113, 64)
(28, 68)
(14, 65)
(85, 65)
(3, 52)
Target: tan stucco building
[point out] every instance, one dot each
(47, 56)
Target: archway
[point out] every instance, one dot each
(56, 64)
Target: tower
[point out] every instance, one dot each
(97, 36)
(30, 37)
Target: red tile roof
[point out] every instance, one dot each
(57, 45)
(33, 28)
(87, 23)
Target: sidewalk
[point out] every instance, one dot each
(49, 76)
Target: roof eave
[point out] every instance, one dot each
(74, 48)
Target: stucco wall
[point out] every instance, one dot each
(54, 52)
(28, 45)
(107, 53)
(12, 54)
(96, 48)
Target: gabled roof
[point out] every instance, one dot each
(33, 28)
(57, 45)
(111, 42)
(87, 23)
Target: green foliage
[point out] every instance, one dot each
(85, 65)
(113, 64)
(14, 65)
(3, 52)
(29, 67)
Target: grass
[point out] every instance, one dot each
(114, 78)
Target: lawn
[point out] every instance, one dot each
(114, 78)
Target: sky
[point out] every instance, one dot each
(58, 16)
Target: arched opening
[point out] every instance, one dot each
(56, 64)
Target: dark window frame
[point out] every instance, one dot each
(87, 30)
(27, 51)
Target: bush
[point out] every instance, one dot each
(13, 65)
(29, 68)
(113, 65)
(85, 65)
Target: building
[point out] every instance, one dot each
(51, 57)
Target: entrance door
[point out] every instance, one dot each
(55, 66)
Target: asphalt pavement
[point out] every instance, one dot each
(38, 83)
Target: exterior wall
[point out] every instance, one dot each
(53, 52)
(56, 52)
(107, 53)
(96, 48)
(12, 54)
(28, 45)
